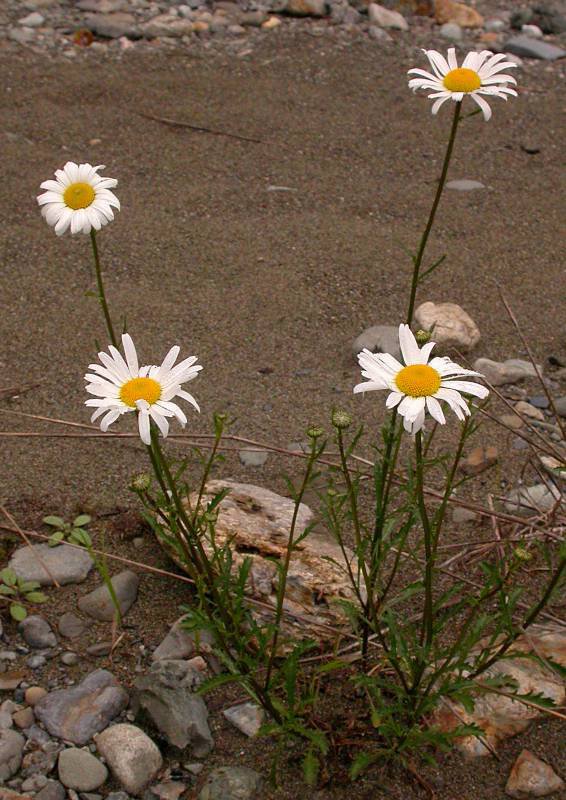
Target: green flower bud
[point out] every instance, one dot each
(140, 482)
(314, 432)
(522, 554)
(422, 337)
(341, 419)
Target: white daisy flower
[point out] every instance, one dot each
(417, 386)
(480, 74)
(78, 199)
(120, 386)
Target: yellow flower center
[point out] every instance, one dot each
(462, 80)
(78, 195)
(140, 389)
(418, 380)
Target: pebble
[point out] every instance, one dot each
(453, 32)
(5, 720)
(247, 717)
(113, 26)
(33, 694)
(533, 31)
(499, 373)
(133, 758)
(39, 762)
(560, 406)
(232, 783)
(99, 605)
(465, 184)
(526, 47)
(527, 410)
(53, 790)
(479, 459)
(453, 327)
(36, 662)
(539, 401)
(464, 15)
(529, 500)
(462, 515)
(37, 632)
(69, 659)
(306, 8)
(33, 20)
(35, 783)
(378, 34)
(99, 698)
(100, 649)
(80, 770)
(386, 18)
(22, 36)
(252, 458)
(70, 626)
(11, 679)
(494, 25)
(168, 790)
(23, 718)
(531, 777)
(11, 749)
(64, 563)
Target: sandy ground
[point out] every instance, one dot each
(269, 288)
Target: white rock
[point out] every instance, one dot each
(529, 500)
(531, 777)
(452, 31)
(133, 758)
(533, 31)
(42, 563)
(247, 717)
(33, 20)
(385, 18)
(451, 326)
(500, 373)
(494, 25)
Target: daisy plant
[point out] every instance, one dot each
(80, 200)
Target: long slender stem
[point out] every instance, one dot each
(101, 292)
(418, 260)
(428, 542)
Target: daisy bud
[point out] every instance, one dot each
(522, 554)
(422, 337)
(314, 432)
(140, 482)
(341, 419)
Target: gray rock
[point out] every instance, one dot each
(379, 339)
(64, 563)
(133, 758)
(36, 662)
(560, 405)
(52, 790)
(37, 736)
(37, 632)
(99, 649)
(494, 25)
(5, 720)
(77, 713)
(181, 643)
(11, 748)
(462, 515)
(168, 790)
(166, 695)
(69, 659)
(451, 31)
(22, 36)
(529, 500)
(101, 6)
(33, 20)
(80, 770)
(166, 25)
(253, 458)
(464, 185)
(99, 605)
(531, 777)
(113, 26)
(118, 796)
(247, 717)
(386, 18)
(378, 34)
(525, 47)
(499, 373)
(34, 784)
(70, 626)
(231, 783)
(23, 718)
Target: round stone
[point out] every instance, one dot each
(33, 694)
(80, 770)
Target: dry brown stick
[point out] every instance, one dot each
(16, 391)
(523, 338)
(25, 537)
(200, 128)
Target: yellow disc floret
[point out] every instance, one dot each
(418, 380)
(462, 80)
(78, 195)
(140, 389)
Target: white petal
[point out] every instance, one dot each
(160, 421)
(393, 399)
(435, 410)
(130, 353)
(486, 110)
(144, 427)
(408, 345)
(467, 387)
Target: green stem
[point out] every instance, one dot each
(427, 625)
(418, 259)
(101, 292)
(282, 582)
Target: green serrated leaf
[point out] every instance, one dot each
(18, 612)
